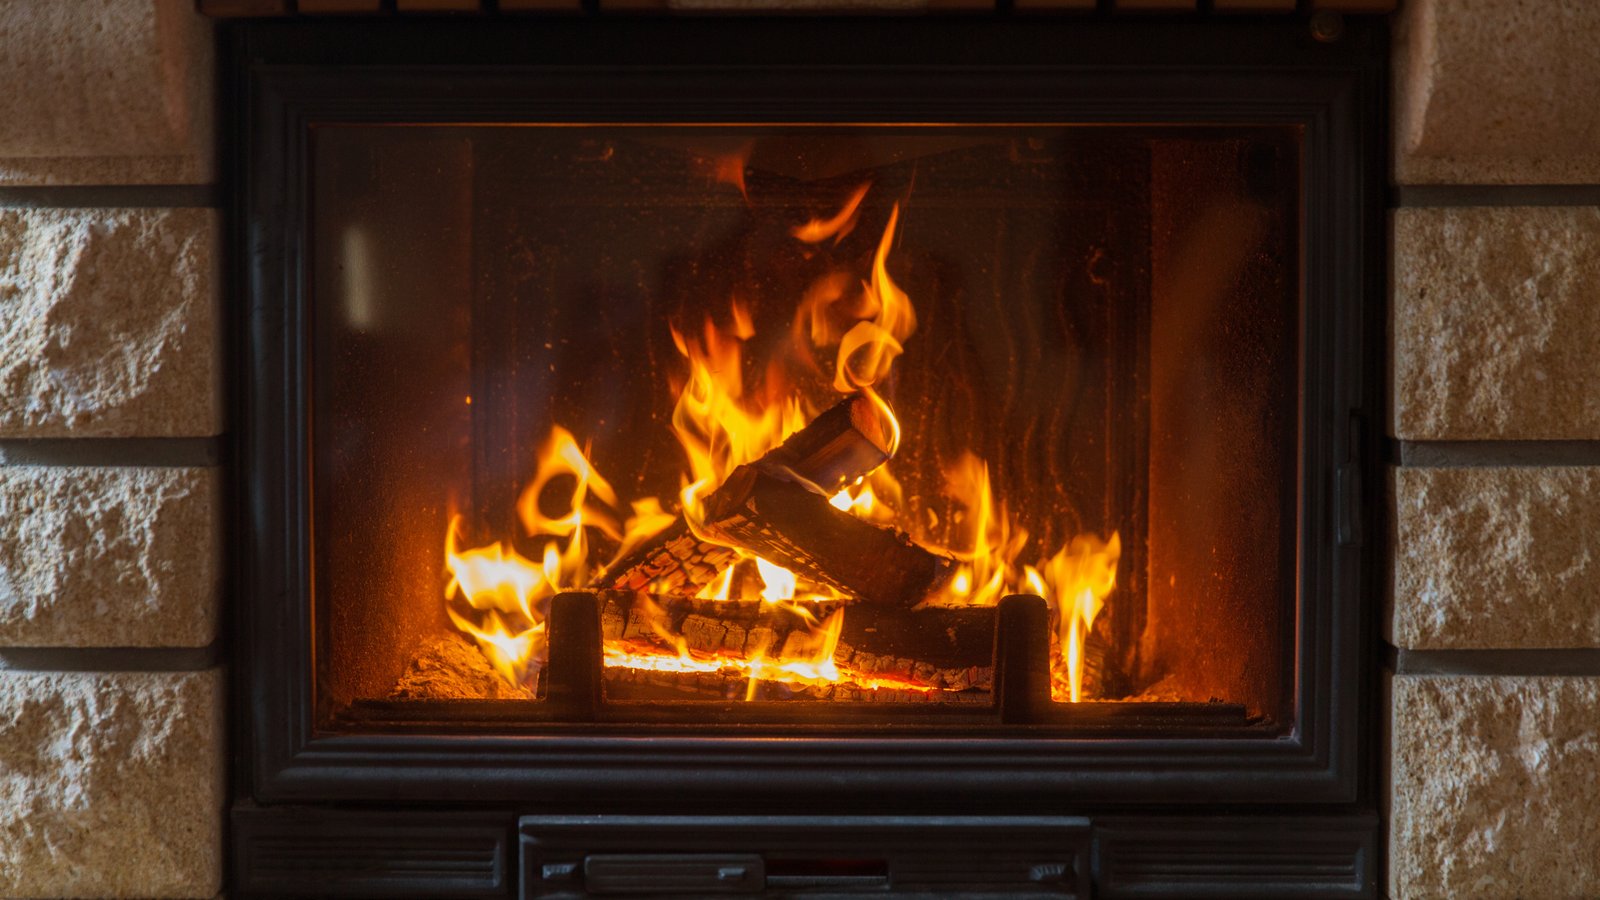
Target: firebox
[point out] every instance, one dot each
(693, 456)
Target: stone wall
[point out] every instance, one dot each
(111, 703)
(1495, 614)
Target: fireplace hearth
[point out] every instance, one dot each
(712, 455)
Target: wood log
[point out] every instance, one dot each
(672, 562)
(842, 444)
(941, 638)
(639, 684)
(839, 446)
(739, 628)
(1101, 679)
(946, 649)
(789, 525)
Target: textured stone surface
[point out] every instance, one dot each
(104, 91)
(111, 784)
(108, 323)
(1497, 92)
(1497, 558)
(1497, 323)
(108, 557)
(1496, 784)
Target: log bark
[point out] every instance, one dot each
(789, 525)
(842, 444)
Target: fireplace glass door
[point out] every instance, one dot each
(867, 426)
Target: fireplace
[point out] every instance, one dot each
(922, 368)
(713, 455)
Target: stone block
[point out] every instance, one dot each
(1496, 321)
(111, 784)
(108, 323)
(1495, 785)
(105, 92)
(108, 557)
(1496, 558)
(1496, 92)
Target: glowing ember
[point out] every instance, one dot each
(500, 598)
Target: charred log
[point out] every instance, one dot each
(844, 443)
(672, 562)
(1101, 678)
(942, 638)
(948, 650)
(839, 446)
(789, 525)
(734, 628)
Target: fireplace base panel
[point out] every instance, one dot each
(499, 854)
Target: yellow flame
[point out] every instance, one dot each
(515, 654)
(719, 587)
(508, 589)
(719, 425)
(989, 543)
(1079, 577)
(648, 520)
(778, 583)
(860, 499)
(1075, 581)
(491, 577)
(807, 658)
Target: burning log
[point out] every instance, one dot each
(952, 649)
(638, 684)
(948, 638)
(943, 651)
(839, 446)
(843, 444)
(789, 525)
(1101, 677)
(672, 562)
(734, 628)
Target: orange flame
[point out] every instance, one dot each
(1075, 581)
(843, 222)
(718, 425)
(806, 659)
(499, 598)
